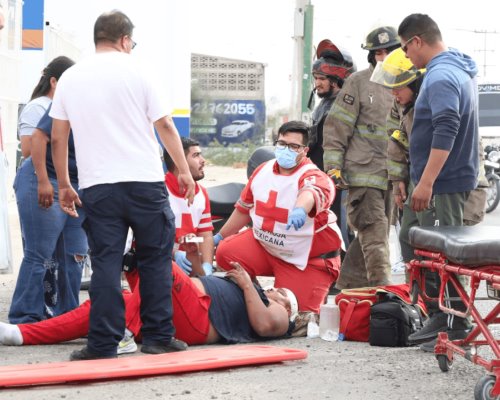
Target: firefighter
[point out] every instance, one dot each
(404, 79)
(332, 67)
(355, 144)
(398, 74)
(329, 71)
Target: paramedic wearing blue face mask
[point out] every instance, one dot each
(294, 236)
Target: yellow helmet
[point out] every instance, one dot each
(395, 71)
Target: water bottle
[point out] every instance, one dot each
(312, 327)
(329, 321)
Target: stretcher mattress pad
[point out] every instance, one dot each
(203, 359)
(473, 246)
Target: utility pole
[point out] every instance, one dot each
(484, 49)
(302, 58)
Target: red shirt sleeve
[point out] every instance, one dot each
(322, 188)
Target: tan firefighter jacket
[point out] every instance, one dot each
(399, 123)
(398, 156)
(355, 133)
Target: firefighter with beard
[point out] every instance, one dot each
(355, 144)
(329, 71)
(332, 67)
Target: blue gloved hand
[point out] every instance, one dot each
(208, 268)
(182, 261)
(217, 239)
(297, 218)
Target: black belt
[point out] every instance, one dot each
(330, 254)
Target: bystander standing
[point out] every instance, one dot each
(111, 107)
(444, 147)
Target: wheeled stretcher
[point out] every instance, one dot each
(474, 252)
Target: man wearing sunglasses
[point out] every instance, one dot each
(443, 150)
(294, 236)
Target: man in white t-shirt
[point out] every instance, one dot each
(111, 108)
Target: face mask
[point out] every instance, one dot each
(286, 158)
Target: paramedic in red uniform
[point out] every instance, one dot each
(191, 220)
(294, 236)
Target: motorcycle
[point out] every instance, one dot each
(223, 197)
(222, 200)
(492, 167)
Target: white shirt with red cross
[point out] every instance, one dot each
(189, 219)
(274, 198)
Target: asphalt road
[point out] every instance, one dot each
(333, 370)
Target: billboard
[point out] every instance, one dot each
(489, 109)
(227, 121)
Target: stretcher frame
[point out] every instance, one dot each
(445, 350)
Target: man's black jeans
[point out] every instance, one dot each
(110, 210)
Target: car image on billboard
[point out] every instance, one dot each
(237, 131)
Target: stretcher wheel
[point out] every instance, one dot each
(483, 388)
(443, 362)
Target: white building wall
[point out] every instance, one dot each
(10, 39)
(162, 39)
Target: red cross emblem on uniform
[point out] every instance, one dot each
(186, 227)
(270, 213)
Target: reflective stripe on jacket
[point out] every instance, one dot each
(355, 132)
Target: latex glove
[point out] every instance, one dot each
(182, 261)
(207, 267)
(297, 218)
(217, 239)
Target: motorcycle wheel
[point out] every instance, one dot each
(492, 194)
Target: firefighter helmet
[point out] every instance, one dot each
(333, 62)
(396, 71)
(381, 38)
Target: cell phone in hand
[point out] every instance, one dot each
(193, 239)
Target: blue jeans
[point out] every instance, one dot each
(110, 210)
(55, 247)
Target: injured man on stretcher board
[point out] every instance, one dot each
(208, 309)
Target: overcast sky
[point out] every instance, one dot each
(262, 30)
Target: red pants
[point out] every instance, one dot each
(190, 316)
(310, 285)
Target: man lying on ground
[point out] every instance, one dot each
(208, 309)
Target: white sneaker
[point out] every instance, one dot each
(10, 335)
(127, 345)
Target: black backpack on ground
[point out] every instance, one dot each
(392, 320)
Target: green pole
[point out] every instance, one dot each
(307, 65)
